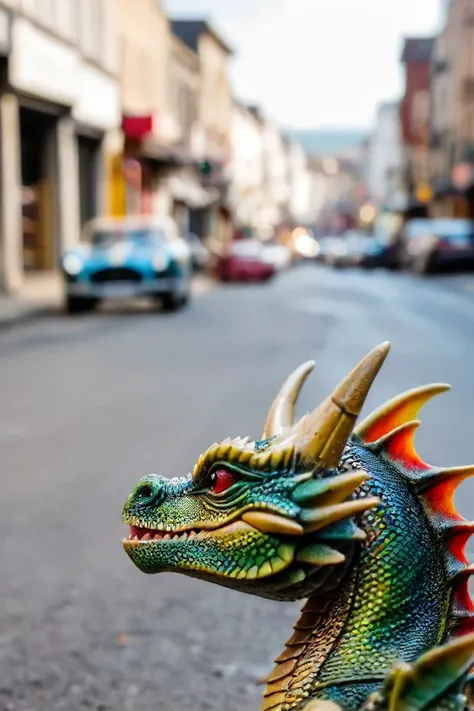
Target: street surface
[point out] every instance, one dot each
(89, 405)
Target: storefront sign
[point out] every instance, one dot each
(5, 32)
(98, 100)
(42, 66)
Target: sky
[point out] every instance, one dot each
(316, 63)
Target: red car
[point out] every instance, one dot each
(244, 260)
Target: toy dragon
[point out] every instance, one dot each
(352, 521)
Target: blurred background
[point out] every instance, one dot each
(195, 197)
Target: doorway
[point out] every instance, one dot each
(88, 151)
(38, 172)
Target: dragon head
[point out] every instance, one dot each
(273, 517)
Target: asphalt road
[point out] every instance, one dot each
(90, 405)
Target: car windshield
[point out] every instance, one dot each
(458, 232)
(145, 237)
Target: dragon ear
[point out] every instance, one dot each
(321, 436)
(282, 412)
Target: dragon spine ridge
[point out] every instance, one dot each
(331, 509)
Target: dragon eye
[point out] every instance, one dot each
(146, 491)
(221, 480)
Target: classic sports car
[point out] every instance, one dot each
(127, 258)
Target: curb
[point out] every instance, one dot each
(26, 315)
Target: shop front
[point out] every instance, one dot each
(149, 163)
(38, 195)
(191, 203)
(42, 74)
(55, 117)
(5, 48)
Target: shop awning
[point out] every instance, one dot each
(191, 193)
(157, 151)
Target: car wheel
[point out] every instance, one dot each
(172, 302)
(79, 305)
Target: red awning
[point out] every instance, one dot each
(137, 127)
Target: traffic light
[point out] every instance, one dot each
(206, 168)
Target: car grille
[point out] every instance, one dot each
(116, 274)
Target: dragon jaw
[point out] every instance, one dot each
(272, 518)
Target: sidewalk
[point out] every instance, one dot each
(42, 294)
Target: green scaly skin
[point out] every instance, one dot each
(362, 542)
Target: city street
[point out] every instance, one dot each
(89, 405)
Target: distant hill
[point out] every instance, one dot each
(329, 141)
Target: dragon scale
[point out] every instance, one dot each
(348, 518)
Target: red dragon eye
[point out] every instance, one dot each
(221, 480)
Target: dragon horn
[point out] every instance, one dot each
(321, 436)
(282, 412)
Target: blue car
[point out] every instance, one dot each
(127, 258)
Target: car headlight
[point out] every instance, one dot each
(72, 264)
(306, 245)
(160, 262)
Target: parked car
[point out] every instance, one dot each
(127, 258)
(335, 252)
(438, 245)
(377, 255)
(278, 255)
(245, 260)
(199, 253)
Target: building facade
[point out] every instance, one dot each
(59, 116)
(299, 179)
(247, 166)
(385, 156)
(452, 114)
(143, 38)
(276, 185)
(212, 134)
(190, 200)
(415, 123)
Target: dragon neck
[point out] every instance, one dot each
(393, 605)
(315, 636)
